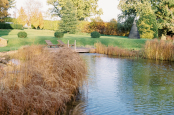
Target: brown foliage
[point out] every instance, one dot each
(97, 26)
(43, 83)
(107, 28)
(111, 28)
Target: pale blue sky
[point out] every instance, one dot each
(109, 8)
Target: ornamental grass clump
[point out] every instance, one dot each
(110, 50)
(42, 84)
(100, 48)
(159, 50)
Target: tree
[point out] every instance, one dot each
(165, 18)
(160, 13)
(147, 25)
(84, 8)
(32, 9)
(68, 21)
(111, 27)
(4, 5)
(11, 3)
(35, 19)
(41, 21)
(22, 18)
(125, 21)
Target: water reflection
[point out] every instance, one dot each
(128, 86)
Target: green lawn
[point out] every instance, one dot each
(39, 37)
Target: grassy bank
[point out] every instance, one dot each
(38, 37)
(42, 84)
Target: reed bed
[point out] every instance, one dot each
(159, 50)
(42, 84)
(116, 51)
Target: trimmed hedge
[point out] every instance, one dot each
(58, 34)
(13, 20)
(10, 26)
(22, 34)
(95, 34)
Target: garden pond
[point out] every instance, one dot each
(125, 86)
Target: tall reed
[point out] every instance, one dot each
(43, 83)
(110, 50)
(159, 50)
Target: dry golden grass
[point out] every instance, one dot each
(27, 52)
(110, 50)
(43, 83)
(159, 50)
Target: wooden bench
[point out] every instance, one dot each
(63, 44)
(49, 43)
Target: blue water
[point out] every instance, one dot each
(124, 86)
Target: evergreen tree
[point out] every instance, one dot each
(84, 8)
(68, 21)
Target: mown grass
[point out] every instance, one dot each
(42, 84)
(39, 37)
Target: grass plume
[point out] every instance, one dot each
(43, 83)
(110, 50)
(159, 50)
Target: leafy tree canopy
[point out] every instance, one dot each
(85, 8)
(22, 18)
(163, 10)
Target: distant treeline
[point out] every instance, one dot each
(107, 28)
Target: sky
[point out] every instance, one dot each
(109, 8)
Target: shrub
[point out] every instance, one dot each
(97, 26)
(10, 26)
(22, 34)
(95, 34)
(58, 34)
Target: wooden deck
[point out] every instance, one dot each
(78, 49)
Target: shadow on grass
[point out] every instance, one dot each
(4, 32)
